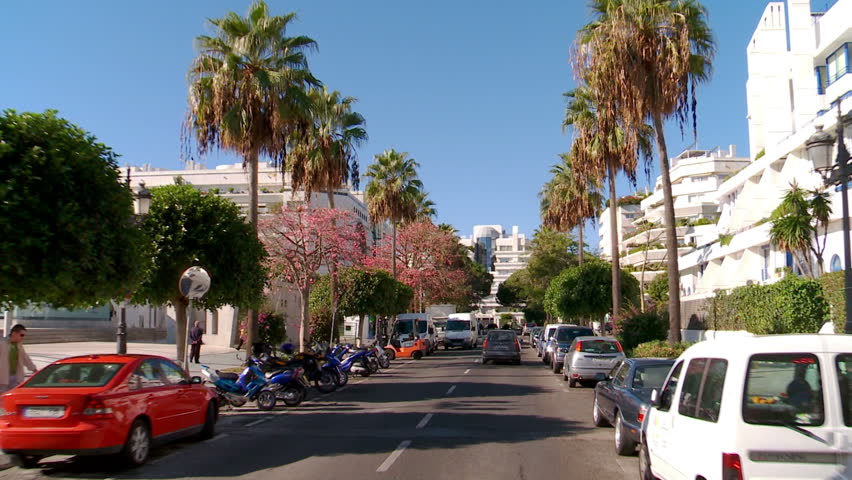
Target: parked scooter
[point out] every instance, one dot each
(316, 369)
(235, 390)
(289, 385)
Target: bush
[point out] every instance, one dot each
(833, 290)
(271, 328)
(637, 328)
(658, 289)
(793, 305)
(660, 349)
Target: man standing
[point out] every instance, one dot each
(195, 335)
(13, 359)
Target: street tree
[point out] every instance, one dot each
(796, 225)
(644, 59)
(428, 261)
(187, 228)
(658, 290)
(247, 94)
(585, 291)
(392, 193)
(66, 227)
(299, 241)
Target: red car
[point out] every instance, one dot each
(104, 404)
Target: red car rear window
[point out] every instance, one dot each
(74, 375)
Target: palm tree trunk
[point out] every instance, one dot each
(333, 271)
(671, 232)
(613, 235)
(580, 238)
(251, 313)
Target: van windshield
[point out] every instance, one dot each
(458, 325)
(405, 326)
(421, 326)
(782, 389)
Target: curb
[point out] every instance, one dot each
(5, 462)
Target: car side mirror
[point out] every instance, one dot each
(196, 380)
(655, 397)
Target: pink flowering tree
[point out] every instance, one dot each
(428, 260)
(300, 241)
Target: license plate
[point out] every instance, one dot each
(44, 412)
(501, 347)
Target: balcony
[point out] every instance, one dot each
(657, 255)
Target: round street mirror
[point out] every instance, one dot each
(194, 282)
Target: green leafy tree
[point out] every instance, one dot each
(644, 59)
(190, 228)
(66, 233)
(247, 94)
(658, 290)
(586, 291)
(798, 222)
(508, 295)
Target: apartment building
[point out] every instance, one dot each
(502, 255)
(798, 74)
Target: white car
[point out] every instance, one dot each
(768, 407)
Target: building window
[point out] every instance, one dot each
(837, 64)
(836, 266)
(764, 274)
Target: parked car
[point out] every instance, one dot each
(549, 329)
(590, 359)
(531, 334)
(562, 340)
(776, 406)
(104, 404)
(623, 399)
(501, 345)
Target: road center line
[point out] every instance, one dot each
(451, 390)
(393, 456)
(467, 371)
(424, 421)
(257, 422)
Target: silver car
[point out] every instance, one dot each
(590, 359)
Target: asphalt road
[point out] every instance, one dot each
(443, 417)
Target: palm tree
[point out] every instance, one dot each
(569, 199)
(645, 59)
(796, 223)
(425, 208)
(603, 147)
(246, 89)
(393, 191)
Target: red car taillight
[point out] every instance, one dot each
(618, 344)
(517, 345)
(96, 409)
(732, 468)
(485, 343)
(579, 346)
(640, 417)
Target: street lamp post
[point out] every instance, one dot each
(819, 147)
(141, 206)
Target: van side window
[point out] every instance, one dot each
(691, 387)
(783, 389)
(711, 390)
(844, 376)
(667, 393)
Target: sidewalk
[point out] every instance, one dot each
(213, 356)
(44, 354)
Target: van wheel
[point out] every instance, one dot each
(623, 445)
(645, 464)
(138, 445)
(26, 461)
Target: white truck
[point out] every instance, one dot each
(462, 331)
(418, 324)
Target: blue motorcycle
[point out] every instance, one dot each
(235, 390)
(289, 385)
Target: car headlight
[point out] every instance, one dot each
(550, 348)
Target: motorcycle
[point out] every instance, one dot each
(235, 390)
(315, 368)
(381, 356)
(289, 385)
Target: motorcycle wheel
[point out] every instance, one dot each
(390, 353)
(292, 395)
(325, 383)
(374, 366)
(266, 400)
(365, 368)
(384, 362)
(342, 378)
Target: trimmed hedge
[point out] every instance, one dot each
(637, 328)
(833, 289)
(660, 349)
(792, 305)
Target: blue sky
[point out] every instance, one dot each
(471, 89)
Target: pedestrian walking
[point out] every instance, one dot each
(13, 359)
(195, 335)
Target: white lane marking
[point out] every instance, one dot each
(393, 456)
(424, 421)
(451, 390)
(218, 437)
(257, 422)
(467, 371)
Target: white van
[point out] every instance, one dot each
(462, 331)
(776, 406)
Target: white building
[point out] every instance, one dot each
(231, 182)
(627, 216)
(799, 68)
(502, 255)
